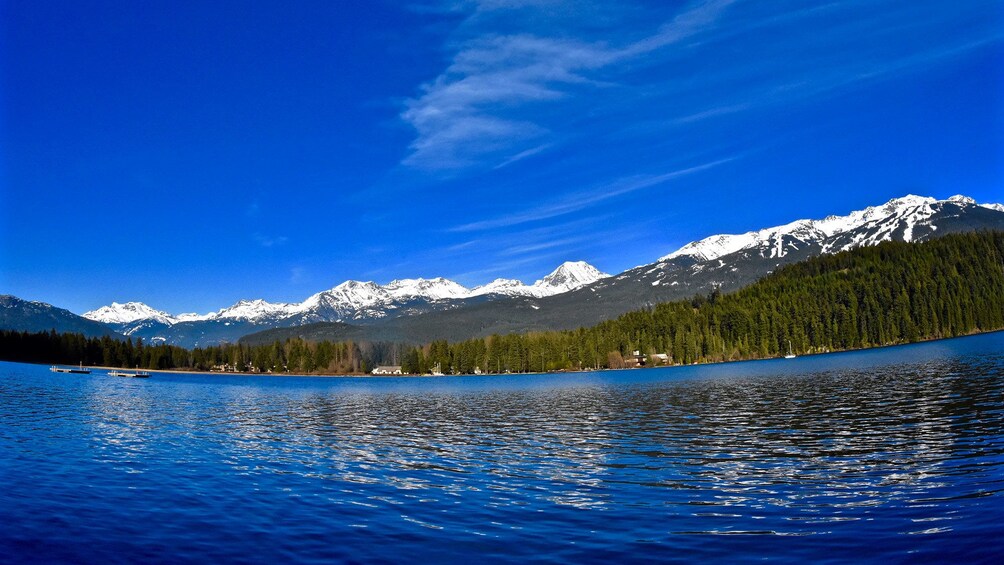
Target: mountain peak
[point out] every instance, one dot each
(255, 309)
(116, 313)
(569, 276)
(912, 200)
(353, 284)
(962, 199)
(508, 287)
(438, 288)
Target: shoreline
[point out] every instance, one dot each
(568, 371)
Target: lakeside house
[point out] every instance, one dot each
(659, 359)
(638, 359)
(387, 370)
(228, 368)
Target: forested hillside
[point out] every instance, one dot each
(887, 294)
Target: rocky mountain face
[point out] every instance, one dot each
(24, 315)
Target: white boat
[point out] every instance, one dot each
(133, 374)
(790, 354)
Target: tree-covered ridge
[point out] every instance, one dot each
(887, 294)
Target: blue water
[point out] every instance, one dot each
(887, 455)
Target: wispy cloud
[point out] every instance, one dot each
(584, 199)
(472, 112)
(544, 245)
(511, 85)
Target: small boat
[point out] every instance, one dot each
(132, 374)
(790, 354)
(80, 371)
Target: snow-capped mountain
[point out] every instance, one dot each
(433, 289)
(116, 313)
(504, 287)
(348, 301)
(254, 310)
(897, 219)
(570, 275)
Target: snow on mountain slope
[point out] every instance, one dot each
(356, 299)
(350, 299)
(256, 310)
(899, 218)
(434, 289)
(570, 275)
(194, 317)
(131, 312)
(506, 287)
(116, 313)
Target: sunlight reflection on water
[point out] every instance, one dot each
(865, 453)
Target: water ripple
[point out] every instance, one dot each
(890, 454)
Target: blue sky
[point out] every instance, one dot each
(190, 154)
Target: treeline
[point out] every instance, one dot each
(886, 294)
(293, 356)
(73, 348)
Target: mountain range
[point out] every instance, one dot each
(356, 301)
(575, 294)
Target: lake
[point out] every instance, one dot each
(887, 455)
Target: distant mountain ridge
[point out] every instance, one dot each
(573, 295)
(355, 299)
(351, 300)
(30, 316)
(726, 262)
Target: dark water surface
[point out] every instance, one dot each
(891, 455)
